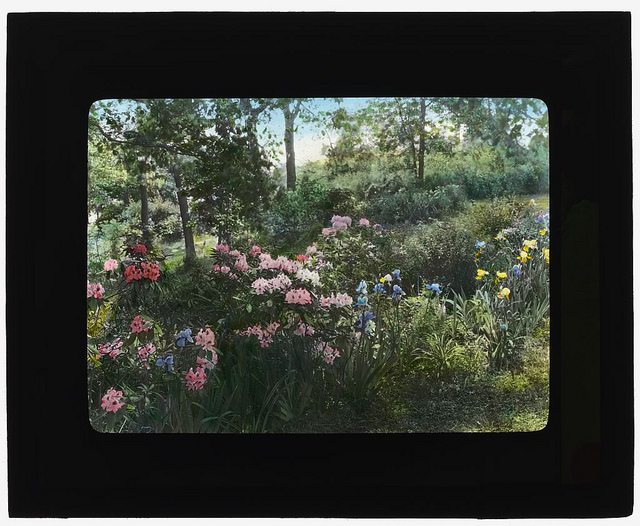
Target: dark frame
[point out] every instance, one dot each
(580, 465)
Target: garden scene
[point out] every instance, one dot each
(370, 265)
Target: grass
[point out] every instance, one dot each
(517, 402)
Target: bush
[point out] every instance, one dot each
(440, 253)
(414, 204)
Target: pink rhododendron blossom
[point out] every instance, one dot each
(144, 352)
(260, 285)
(216, 268)
(204, 363)
(113, 348)
(340, 222)
(196, 380)
(225, 269)
(326, 352)
(206, 339)
(311, 249)
(255, 251)
(298, 296)
(131, 273)
(272, 327)
(264, 336)
(234, 253)
(328, 231)
(150, 271)
(96, 290)
(111, 401)
(137, 325)
(222, 248)
(304, 329)
(340, 300)
(110, 264)
(302, 257)
(233, 276)
(241, 263)
(364, 222)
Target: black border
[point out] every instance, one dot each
(580, 465)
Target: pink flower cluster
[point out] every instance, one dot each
(364, 222)
(207, 364)
(241, 263)
(223, 269)
(282, 263)
(339, 300)
(111, 401)
(195, 380)
(137, 325)
(96, 290)
(222, 248)
(150, 271)
(328, 353)
(298, 296)
(265, 336)
(113, 348)
(340, 222)
(110, 264)
(305, 329)
(280, 282)
(206, 339)
(144, 352)
(255, 251)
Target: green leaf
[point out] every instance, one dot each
(249, 307)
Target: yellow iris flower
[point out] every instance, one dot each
(523, 256)
(481, 273)
(499, 276)
(504, 293)
(545, 253)
(500, 237)
(530, 243)
(543, 231)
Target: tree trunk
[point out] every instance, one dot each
(423, 112)
(289, 121)
(189, 245)
(144, 205)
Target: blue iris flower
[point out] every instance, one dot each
(397, 291)
(396, 274)
(379, 288)
(364, 318)
(480, 244)
(503, 326)
(434, 287)
(167, 363)
(362, 301)
(183, 337)
(517, 271)
(362, 287)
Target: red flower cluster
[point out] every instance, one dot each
(150, 271)
(139, 249)
(132, 273)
